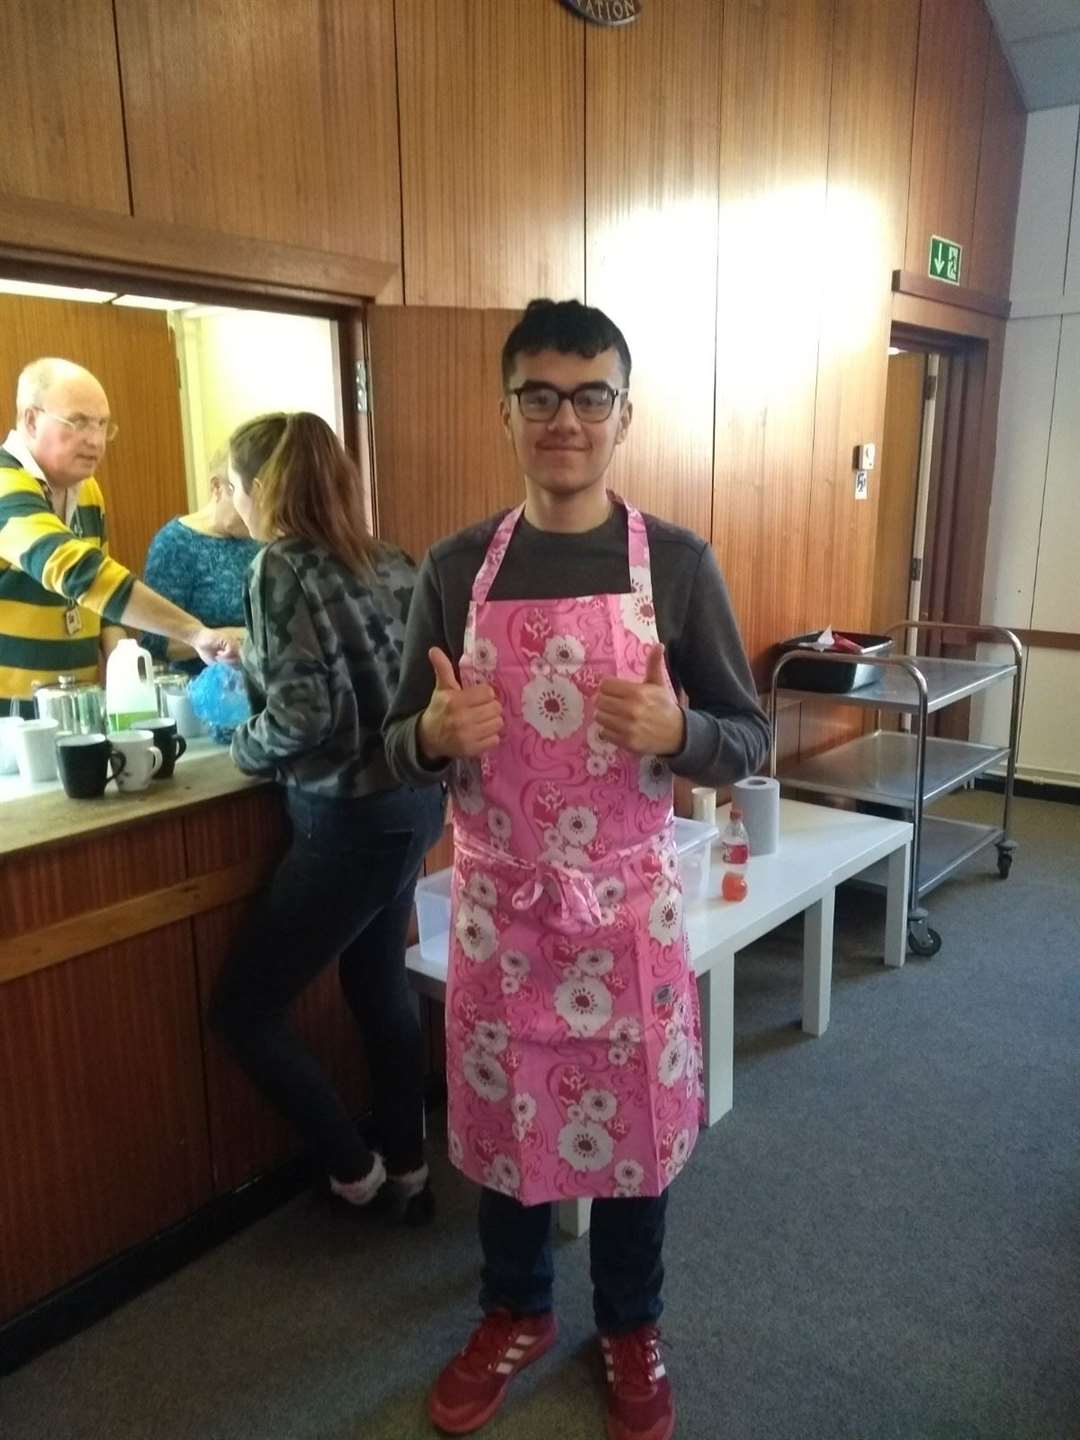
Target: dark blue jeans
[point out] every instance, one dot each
(626, 1241)
(344, 889)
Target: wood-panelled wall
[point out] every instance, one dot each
(735, 180)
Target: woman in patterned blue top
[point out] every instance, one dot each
(200, 562)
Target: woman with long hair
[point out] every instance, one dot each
(325, 609)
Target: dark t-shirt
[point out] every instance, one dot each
(727, 734)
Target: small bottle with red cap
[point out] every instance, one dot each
(735, 856)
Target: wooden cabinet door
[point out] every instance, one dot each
(131, 353)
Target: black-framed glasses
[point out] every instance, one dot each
(592, 402)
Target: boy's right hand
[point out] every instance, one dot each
(458, 723)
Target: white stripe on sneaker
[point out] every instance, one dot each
(514, 1353)
(503, 1368)
(525, 1339)
(659, 1371)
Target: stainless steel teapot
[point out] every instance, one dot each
(77, 706)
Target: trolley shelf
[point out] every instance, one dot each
(903, 770)
(946, 682)
(946, 844)
(881, 768)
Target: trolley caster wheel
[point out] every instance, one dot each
(1005, 860)
(924, 941)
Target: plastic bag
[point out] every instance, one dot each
(219, 698)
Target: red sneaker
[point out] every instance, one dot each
(472, 1387)
(640, 1406)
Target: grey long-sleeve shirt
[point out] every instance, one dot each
(727, 734)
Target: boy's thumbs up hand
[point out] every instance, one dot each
(642, 715)
(458, 723)
(445, 678)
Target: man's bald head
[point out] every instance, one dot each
(62, 413)
(41, 377)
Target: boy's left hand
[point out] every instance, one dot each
(641, 715)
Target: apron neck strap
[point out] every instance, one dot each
(636, 537)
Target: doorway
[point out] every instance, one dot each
(933, 497)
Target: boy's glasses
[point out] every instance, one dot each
(592, 402)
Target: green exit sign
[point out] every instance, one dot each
(945, 260)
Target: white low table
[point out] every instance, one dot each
(819, 849)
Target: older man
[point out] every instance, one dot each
(61, 595)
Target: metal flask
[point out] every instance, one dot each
(78, 707)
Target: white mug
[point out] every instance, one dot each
(179, 707)
(9, 763)
(703, 802)
(34, 742)
(142, 758)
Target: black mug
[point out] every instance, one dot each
(86, 764)
(171, 744)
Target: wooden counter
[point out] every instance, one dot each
(120, 1113)
(46, 816)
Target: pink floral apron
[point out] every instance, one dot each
(572, 1030)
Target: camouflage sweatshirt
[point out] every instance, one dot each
(322, 659)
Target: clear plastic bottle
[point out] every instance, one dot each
(735, 856)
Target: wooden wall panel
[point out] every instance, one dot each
(63, 117)
(131, 353)
(869, 156)
(492, 152)
(114, 1114)
(653, 117)
(433, 478)
(241, 828)
(652, 106)
(274, 121)
(36, 886)
(954, 37)
(775, 83)
(1001, 159)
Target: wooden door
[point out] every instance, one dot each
(898, 483)
(131, 353)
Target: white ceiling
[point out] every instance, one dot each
(1042, 41)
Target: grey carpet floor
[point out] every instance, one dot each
(880, 1241)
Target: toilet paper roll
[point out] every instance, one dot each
(759, 799)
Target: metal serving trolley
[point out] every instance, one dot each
(906, 770)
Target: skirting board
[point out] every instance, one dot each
(1032, 789)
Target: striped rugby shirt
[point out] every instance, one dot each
(46, 568)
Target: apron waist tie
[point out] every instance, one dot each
(569, 889)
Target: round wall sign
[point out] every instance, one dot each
(606, 12)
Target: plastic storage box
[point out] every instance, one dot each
(833, 679)
(693, 840)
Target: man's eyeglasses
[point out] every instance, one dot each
(592, 402)
(84, 424)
